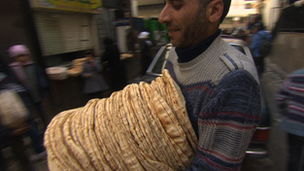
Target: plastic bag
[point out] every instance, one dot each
(13, 112)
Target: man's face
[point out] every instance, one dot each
(185, 20)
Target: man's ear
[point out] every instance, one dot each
(215, 10)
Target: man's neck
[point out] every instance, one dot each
(190, 53)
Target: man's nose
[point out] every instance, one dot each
(165, 15)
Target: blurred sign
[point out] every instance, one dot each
(87, 6)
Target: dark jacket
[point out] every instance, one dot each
(146, 56)
(117, 67)
(37, 85)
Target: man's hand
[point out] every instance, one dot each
(20, 131)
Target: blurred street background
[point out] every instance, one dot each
(271, 81)
(59, 34)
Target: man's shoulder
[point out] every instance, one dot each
(234, 60)
(235, 56)
(299, 72)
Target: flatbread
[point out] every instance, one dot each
(178, 104)
(147, 127)
(110, 141)
(142, 127)
(101, 135)
(59, 149)
(127, 144)
(162, 132)
(171, 124)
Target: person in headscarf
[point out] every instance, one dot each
(14, 137)
(30, 76)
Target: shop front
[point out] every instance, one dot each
(66, 30)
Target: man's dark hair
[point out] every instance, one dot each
(204, 3)
(226, 9)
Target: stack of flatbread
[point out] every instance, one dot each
(57, 73)
(125, 56)
(142, 127)
(74, 72)
(77, 67)
(79, 62)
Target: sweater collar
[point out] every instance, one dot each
(188, 54)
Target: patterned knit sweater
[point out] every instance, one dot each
(291, 102)
(222, 95)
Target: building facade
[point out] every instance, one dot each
(66, 28)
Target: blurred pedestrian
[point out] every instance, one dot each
(290, 101)
(117, 67)
(145, 50)
(30, 75)
(14, 139)
(94, 83)
(32, 132)
(259, 35)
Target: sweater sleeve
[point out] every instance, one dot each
(227, 122)
(282, 95)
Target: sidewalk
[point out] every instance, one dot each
(13, 164)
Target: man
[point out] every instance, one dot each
(219, 83)
(14, 139)
(291, 103)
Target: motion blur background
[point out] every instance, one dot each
(60, 31)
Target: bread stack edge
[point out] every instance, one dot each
(142, 127)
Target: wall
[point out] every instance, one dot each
(149, 2)
(270, 13)
(288, 50)
(237, 8)
(14, 27)
(105, 26)
(150, 11)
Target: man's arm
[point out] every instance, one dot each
(227, 123)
